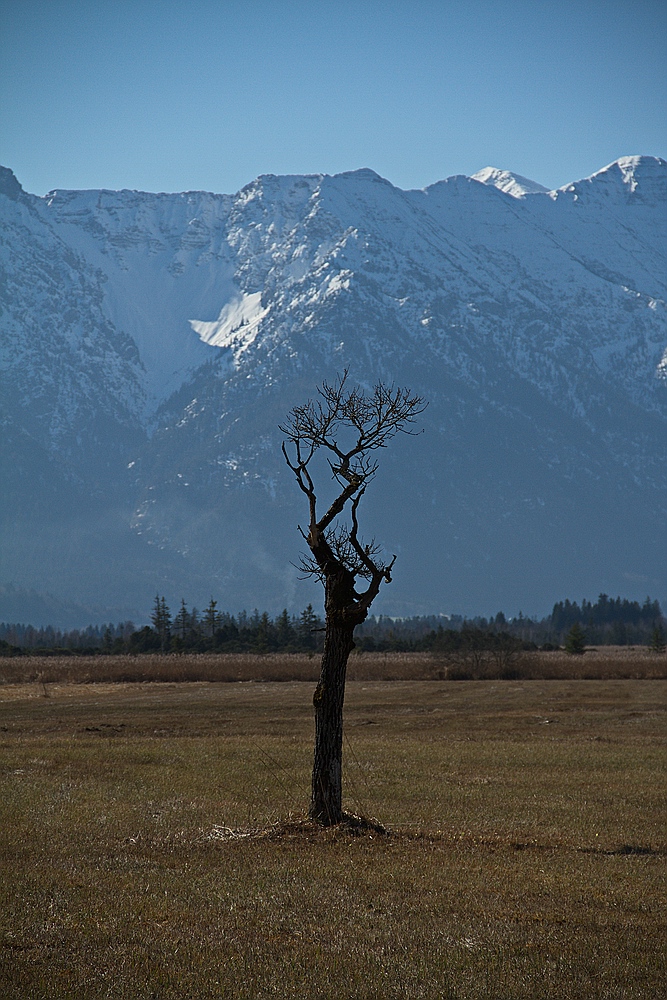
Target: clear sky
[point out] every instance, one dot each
(176, 95)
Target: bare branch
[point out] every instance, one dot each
(351, 424)
(362, 552)
(303, 478)
(338, 504)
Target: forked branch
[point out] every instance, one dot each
(351, 424)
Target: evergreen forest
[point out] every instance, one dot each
(608, 621)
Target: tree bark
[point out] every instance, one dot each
(343, 611)
(326, 798)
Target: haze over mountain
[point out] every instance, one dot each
(151, 344)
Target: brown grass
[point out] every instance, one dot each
(526, 859)
(605, 663)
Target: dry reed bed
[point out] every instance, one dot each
(604, 663)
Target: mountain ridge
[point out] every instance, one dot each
(151, 337)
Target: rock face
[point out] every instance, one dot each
(151, 344)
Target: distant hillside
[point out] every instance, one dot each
(31, 608)
(151, 344)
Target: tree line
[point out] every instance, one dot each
(210, 630)
(608, 621)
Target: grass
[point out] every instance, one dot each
(605, 663)
(153, 842)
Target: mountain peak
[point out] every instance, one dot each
(512, 184)
(631, 167)
(9, 185)
(635, 179)
(364, 174)
(185, 326)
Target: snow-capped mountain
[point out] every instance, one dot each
(151, 344)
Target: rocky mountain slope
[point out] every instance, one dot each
(151, 344)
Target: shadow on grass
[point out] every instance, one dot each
(294, 828)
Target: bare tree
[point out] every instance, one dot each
(350, 425)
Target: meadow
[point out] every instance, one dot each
(604, 663)
(155, 843)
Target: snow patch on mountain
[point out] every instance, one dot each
(237, 325)
(512, 184)
(640, 181)
(534, 321)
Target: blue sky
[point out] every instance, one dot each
(172, 95)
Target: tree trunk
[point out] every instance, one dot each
(326, 799)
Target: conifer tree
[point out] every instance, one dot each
(308, 625)
(658, 644)
(575, 640)
(161, 621)
(263, 633)
(212, 618)
(284, 630)
(182, 621)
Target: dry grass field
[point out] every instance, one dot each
(153, 843)
(607, 662)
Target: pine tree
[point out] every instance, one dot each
(619, 634)
(161, 621)
(195, 624)
(658, 644)
(212, 619)
(309, 623)
(575, 640)
(263, 634)
(182, 621)
(284, 630)
(155, 615)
